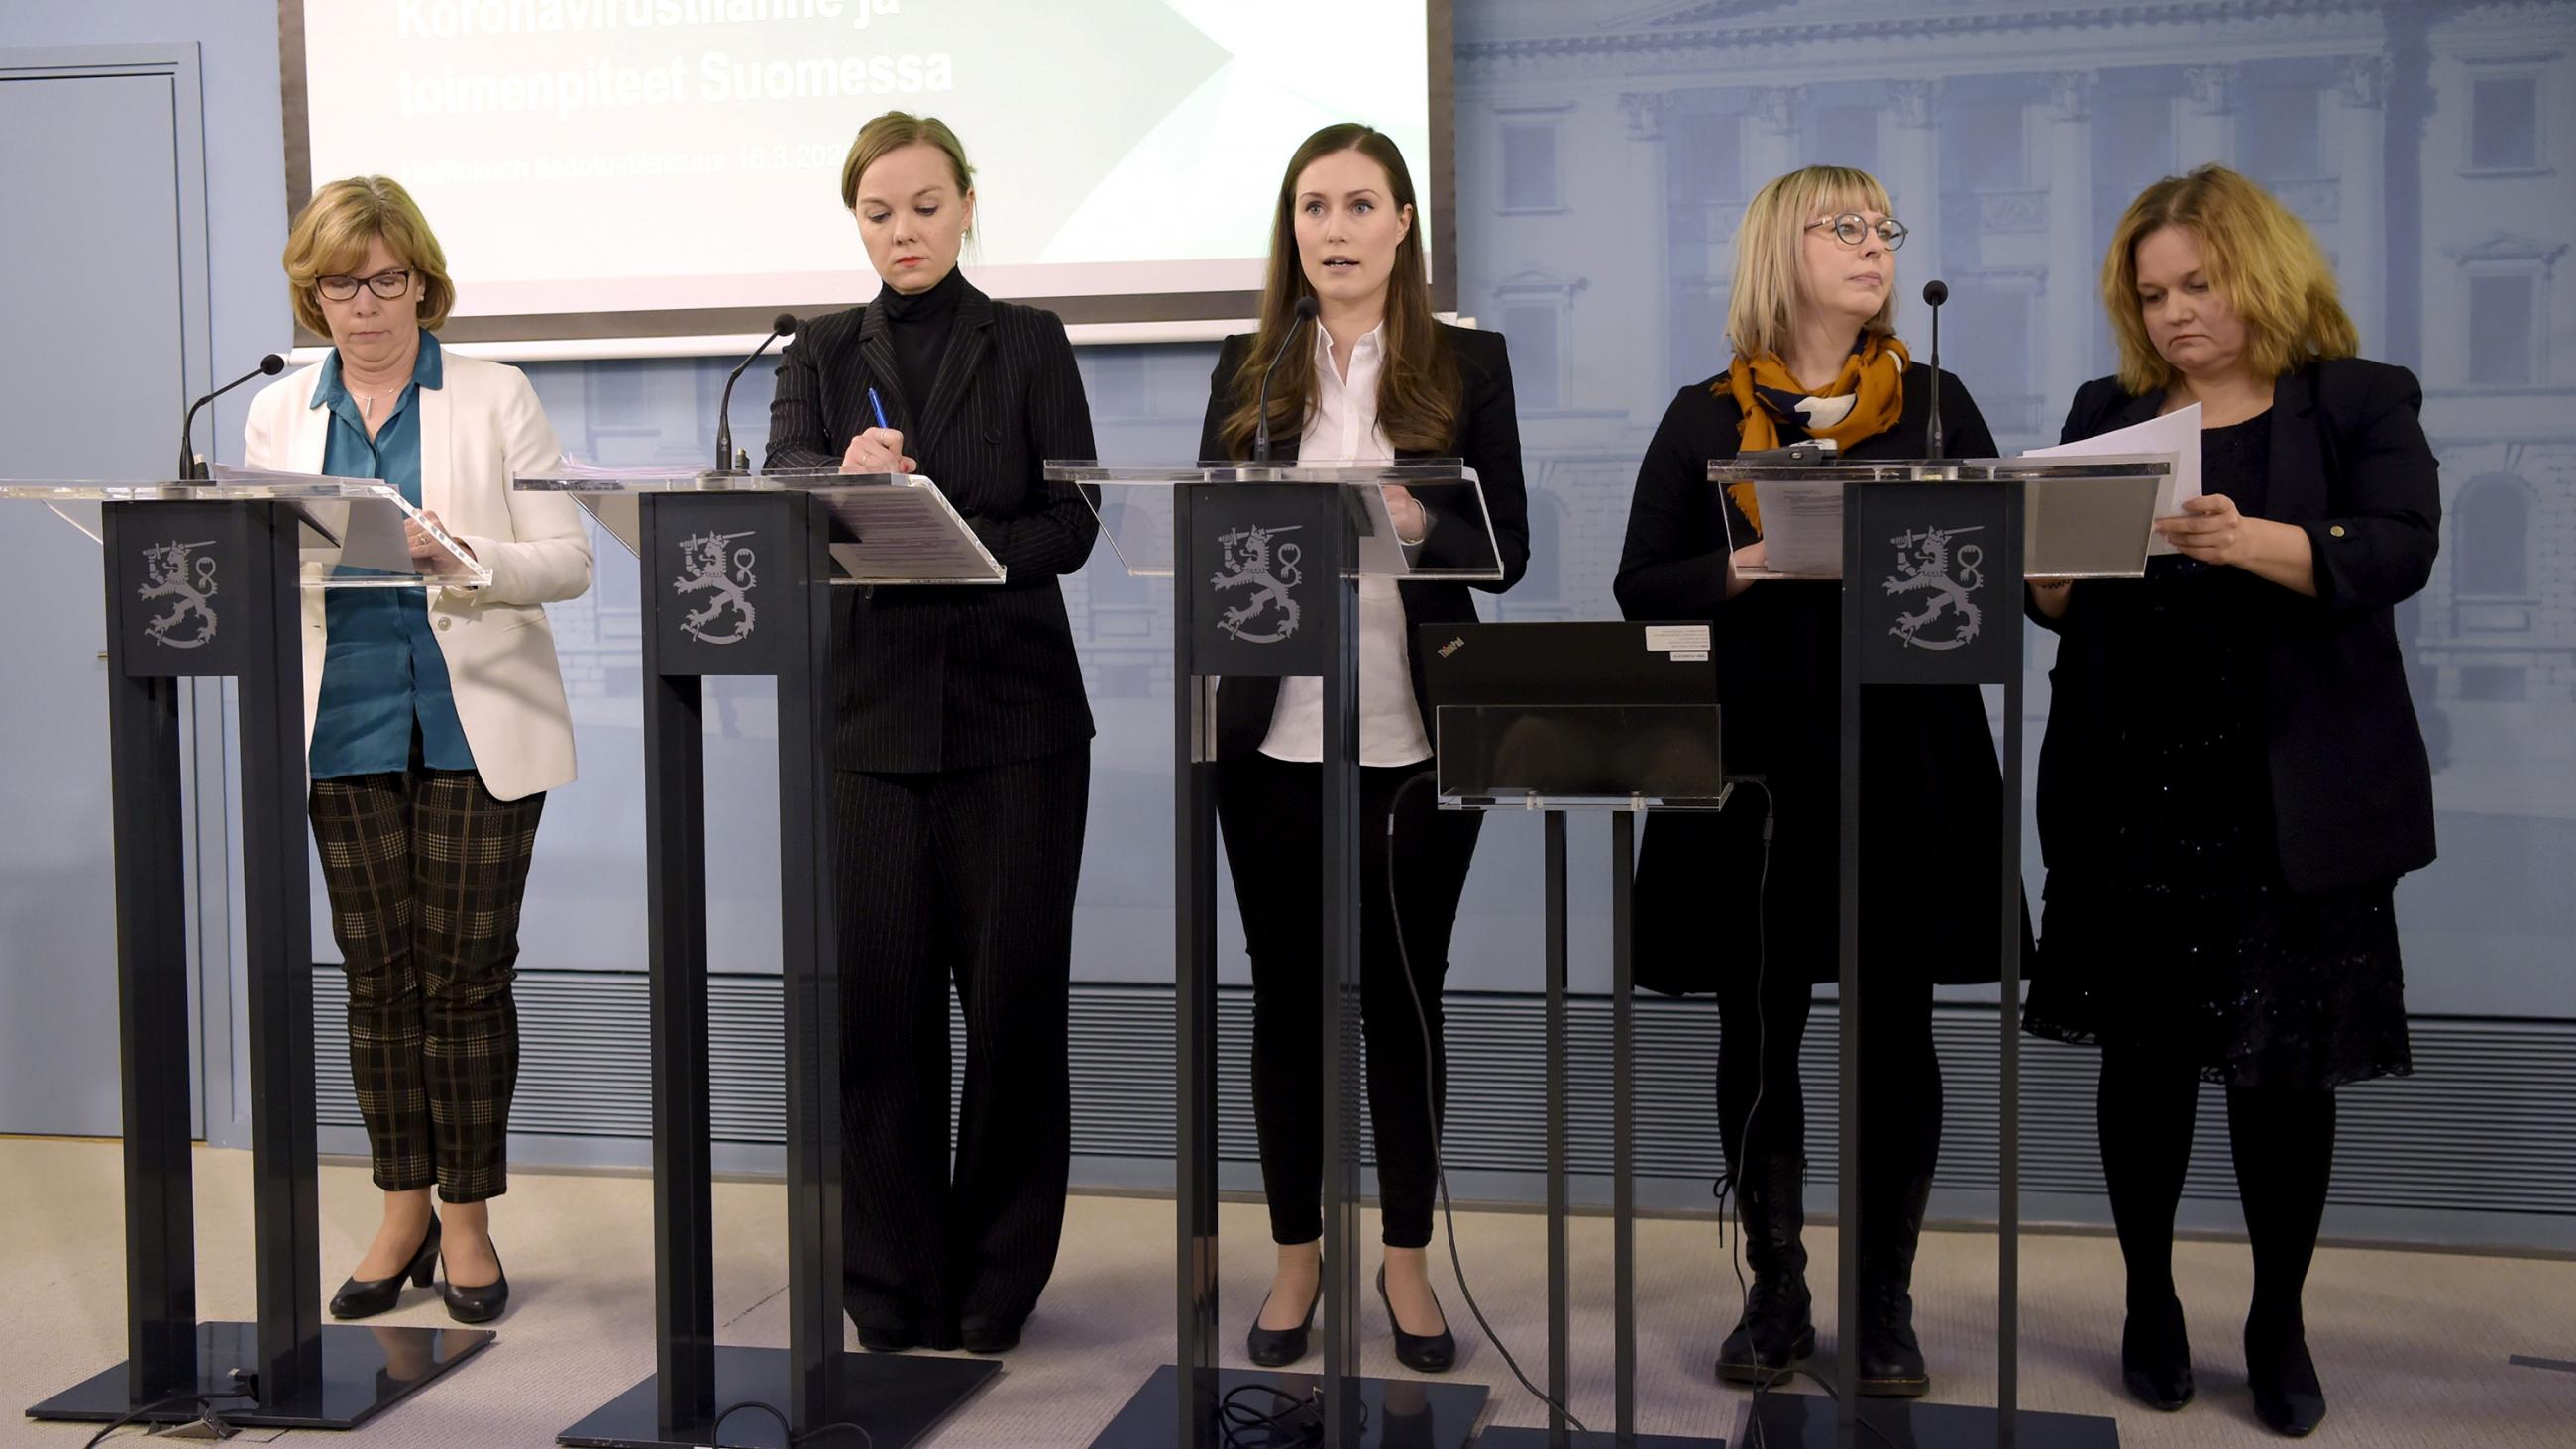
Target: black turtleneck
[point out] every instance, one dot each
(922, 322)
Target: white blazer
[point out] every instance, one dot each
(478, 430)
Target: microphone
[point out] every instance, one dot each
(1306, 309)
(783, 325)
(190, 470)
(1935, 293)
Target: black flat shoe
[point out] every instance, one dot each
(1433, 1354)
(2155, 1356)
(903, 1339)
(367, 1297)
(981, 1335)
(479, 1305)
(2287, 1397)
(1280, 1347)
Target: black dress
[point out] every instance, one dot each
(1931, 792)
(2168, 926)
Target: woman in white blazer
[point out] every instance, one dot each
(435, 720)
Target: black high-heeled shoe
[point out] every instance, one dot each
(1435, 1353)
(482, 1304)
(2155, 1356)
(2287, 1396)
(1280, 1347)
(367, 1297)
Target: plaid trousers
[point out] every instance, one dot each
(425, 871)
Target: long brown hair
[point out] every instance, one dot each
(1417, 390)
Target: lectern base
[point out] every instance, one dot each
(1402, 1413)
(1537, 1439)
(364, 1370)
(1806, 1421)
(898, 1398)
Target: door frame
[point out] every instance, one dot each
(220, 1094)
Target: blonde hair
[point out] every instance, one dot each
(2254, 251)
(1761, 309)
(331, 234)
(892, 132)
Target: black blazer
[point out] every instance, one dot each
(2352, 789)
(1488, 440)
(1931, 791)
(932, 677)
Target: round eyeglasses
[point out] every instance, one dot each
(388, 285)
(1851, 229)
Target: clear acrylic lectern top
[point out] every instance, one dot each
(1135, 507)
(887, 528)
(2085, 518)
(352, 535)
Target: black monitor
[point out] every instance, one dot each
(1573, 713)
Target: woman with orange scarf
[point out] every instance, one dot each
(1745, 902)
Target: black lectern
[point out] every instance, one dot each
(736, 579)
(206, 580)
(1265, 563)
(1928, 554)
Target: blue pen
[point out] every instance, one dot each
(878, 408)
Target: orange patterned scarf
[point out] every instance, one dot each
(1864, 400)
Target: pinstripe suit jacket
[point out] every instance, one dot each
(1488, 440)
(933, 677)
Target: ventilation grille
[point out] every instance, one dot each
(2487, 1123)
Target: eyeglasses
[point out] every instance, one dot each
(388, 285)
(1851, 229)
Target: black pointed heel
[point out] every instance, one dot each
(2155, 1356)
(479, 1305)
(367, 1297)
(1435, 1353)
(1280, 1347)
(2287, 1396)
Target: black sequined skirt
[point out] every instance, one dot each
(2255, 987)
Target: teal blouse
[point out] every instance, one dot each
(382, 674)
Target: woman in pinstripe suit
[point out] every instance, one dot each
(963, 762)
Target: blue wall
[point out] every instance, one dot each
(1605, 148)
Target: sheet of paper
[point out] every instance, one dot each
(366, 532)
(2176, 434)
(1802, 528)
(569, 466)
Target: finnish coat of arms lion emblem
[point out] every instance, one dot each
(172, 571)
(710, 565)
(1253, 561)
(1927, 564)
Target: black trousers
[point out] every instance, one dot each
(1761, 1106)
(425, 870)
(1271, 814)
(965, 876)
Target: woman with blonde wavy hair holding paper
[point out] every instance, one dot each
(1746, 902)
(2233, 777)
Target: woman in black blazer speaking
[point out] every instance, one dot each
(963, 762)
(1380, 379)
(2233, 778)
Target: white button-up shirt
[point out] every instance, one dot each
(1342, 428)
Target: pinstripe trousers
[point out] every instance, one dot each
(965, 876)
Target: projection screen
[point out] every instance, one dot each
(657, 170)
